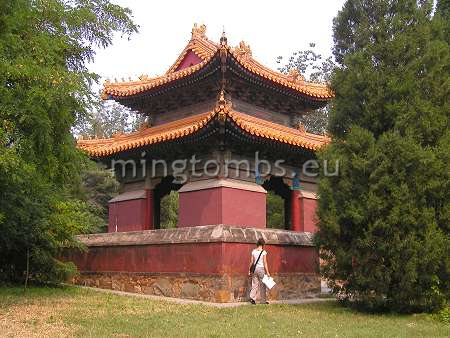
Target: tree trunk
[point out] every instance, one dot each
(28, 269)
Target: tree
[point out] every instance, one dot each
(310, 64)
(98, 186)
(384, 229)
(443, 13)
(107, 119)
(312, 67)
(44, 86)
(169, 210)
(275, 211)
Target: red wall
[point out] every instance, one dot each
(189, 60)
(130, 215)
(207, 258)
(280, 259)
(201, 258)
(309, 216)
(222, 205)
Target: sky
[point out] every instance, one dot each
(271, 28)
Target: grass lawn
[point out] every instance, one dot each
(74, 312)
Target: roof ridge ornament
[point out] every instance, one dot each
(144, 124)
(223, 106)
(300, 127)
(295, 75)
(243, 50)
(199, 32)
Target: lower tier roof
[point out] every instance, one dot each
(251, 125)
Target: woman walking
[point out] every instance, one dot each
(258, 267)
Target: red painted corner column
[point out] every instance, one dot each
(222, 201)
(148, 225)
(296, 211)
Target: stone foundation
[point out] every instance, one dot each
(211, 288)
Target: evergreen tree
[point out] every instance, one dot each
(384, 229)
(44, 86)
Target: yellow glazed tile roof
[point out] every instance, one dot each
(144, 137)
(205, 49)
(184, 127)
(276, 132)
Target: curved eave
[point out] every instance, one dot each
(313, 91)
(101, 148)
(118, 91)
(277, 133)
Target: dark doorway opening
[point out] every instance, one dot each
(166, 203)
(278, 203)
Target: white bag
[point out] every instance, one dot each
(268, 281)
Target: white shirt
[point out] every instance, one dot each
(255, 254)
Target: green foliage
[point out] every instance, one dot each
(107, 119)
(443, 315)
(384, 221)
(275, 211)
(379, 229)
(169, 210)
(73, 217)
(36, 219)
(394, 74)
(97, 187)
(312, 66)
(44, 86)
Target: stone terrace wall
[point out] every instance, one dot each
(206, 263)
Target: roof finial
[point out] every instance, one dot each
(223, 38)
(198, 32)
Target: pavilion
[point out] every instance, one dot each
(239, 121)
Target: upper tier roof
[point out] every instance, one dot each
(198, 53)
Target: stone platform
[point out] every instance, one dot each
(208, 263)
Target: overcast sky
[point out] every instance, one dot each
(271, 28)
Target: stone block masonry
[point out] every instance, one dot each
(211, 288)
